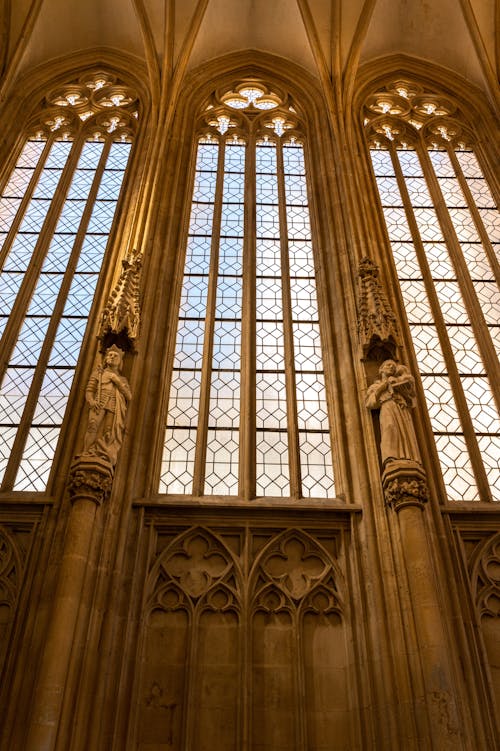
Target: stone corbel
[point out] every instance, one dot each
(405, 484)
(90, 478)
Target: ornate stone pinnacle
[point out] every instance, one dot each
(121, 316)
(405, 484)
(377, 327)
(90, 478)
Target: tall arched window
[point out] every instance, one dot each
(444, 230)
(56, 211)
(247, 413)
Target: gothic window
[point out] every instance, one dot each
(444, 231)
(247, 413)
(56, 210)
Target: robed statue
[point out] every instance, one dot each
(107, 395)
(394, 394)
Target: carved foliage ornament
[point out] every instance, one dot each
(120, 319)
(91, 478)
(404, 484)
(377, 326)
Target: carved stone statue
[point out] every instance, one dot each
(107, 394)
(394, 394)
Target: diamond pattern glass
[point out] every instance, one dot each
(178, 461)
(316, 463)
(438, 388)
(456, 468)
(222, 462)
(273, 474)
(209, 345)
(37, 459)
(48, 311)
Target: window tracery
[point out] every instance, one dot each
(247, 413)
(56, 211)
(444, 228)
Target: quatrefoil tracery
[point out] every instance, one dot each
(231, 110)
(402, 112)
(97, 104)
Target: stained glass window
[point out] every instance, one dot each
(444, 230)
(56, 211)
(247, 413)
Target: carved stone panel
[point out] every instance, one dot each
(244, 643)
(192, 647)
(11, 572)
(485, 576)
(298, 658)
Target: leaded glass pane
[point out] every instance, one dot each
(489, 447)
(316, 464)
(225, 399)
(273, 477)
(271, 400)
(456, 467)
(442, 263)
(37, 458)
(178, 460)
(222, 462)
(60, 298)
(208, 350)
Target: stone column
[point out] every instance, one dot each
(89, 484)
(405, 490)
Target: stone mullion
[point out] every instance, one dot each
(246, 694)
(481, 230)
(291, 396)
(451, 366)
(28, 194)
(35, 266)
(41, 366)
(301, 721)
(208, 343)
(190, 717)
(247, 454)
(472, 306)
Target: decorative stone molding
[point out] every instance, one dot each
(377, 327)
(405, 484)
(120, 319)
(211, 591)
(487, 576)
(90, 478)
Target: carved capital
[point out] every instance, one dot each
(376, 321)
(90, 478)
(405, 484)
